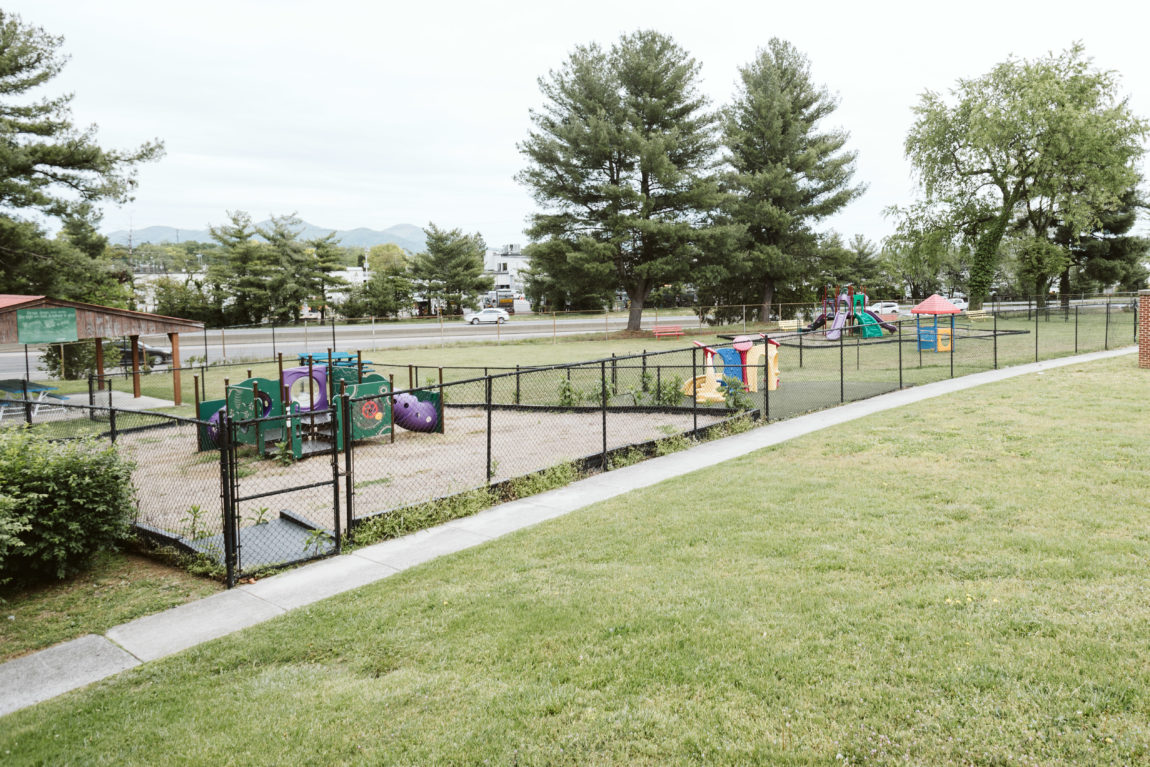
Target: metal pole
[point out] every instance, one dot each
(273, 339)
(695, 389)
(842, 372)
(1035, 332)
(766, 379)
(996, 335)
(899, 326)
(800, 347)
(333, 346)
(517, 384)
(28, 365)
(488, 387)
(226, 503)
(1106, 345)
(1076, 329)
(952, 346)
(603, 391)
(205, 351)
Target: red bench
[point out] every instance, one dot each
(662, 331)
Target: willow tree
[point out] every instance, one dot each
(1043, 143)
(621, 163)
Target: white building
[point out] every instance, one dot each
(505, 266)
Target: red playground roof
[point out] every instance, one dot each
(936, 304)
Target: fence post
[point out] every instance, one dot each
(339, 433)
(766, 378)
(273, 339)
(28, 402)
(996, 334)
(1106, 343)
(952, 346)
(694, 389)
(1076, 329)
(801, 334)
(348, 474)
(899, 326)
(842, 371)
(643, 374)
(614, 375)
(333, 346)
(517, 384)
(1035, 332)
(226, 500)
(111, 420)
(603, 391)
(487, 382)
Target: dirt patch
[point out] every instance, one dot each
(179, 488)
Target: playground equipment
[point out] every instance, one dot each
(303, 412)
(733, 362)
(932, 338)
(849, 311)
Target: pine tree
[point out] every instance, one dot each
(450, 271)
(49, 166)
(621, 161)
(787, 173)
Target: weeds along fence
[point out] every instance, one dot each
(443, 444)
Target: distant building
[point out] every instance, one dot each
(506, 266)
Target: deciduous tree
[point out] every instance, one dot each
(1046, 140)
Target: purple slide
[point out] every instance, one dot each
(837, 328)
(885, 325)
(818, 323)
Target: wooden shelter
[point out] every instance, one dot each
(42, 320)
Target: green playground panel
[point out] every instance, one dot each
(369, 418)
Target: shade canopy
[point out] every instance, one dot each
(936, 304)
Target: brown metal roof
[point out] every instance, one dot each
(92, 320)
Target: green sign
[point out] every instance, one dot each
(46, 326)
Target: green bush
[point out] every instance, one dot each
(60, 503)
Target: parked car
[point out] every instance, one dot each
(150, 356)
(884, 307)
(490, 314)
(959, 302)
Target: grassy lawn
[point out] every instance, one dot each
(118, 588)
(958, 582)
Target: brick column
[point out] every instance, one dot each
(1144, 329)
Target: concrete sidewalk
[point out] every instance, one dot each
(68, 666)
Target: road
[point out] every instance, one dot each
(258, 343)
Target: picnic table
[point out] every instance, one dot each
(339, 359)
(19, 392)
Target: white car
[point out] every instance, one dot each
(960, 303)
(884, 307)
(490, 314)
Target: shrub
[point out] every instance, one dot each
(63, 502)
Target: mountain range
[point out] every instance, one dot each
(406, 236)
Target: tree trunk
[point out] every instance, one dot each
(985, 258)
(637, 292)
(1064, 287)
(635, 315)
(1039, 292)
(768, 299)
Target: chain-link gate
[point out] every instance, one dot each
(277, 509)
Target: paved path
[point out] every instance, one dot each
(68, 666)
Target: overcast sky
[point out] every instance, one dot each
(376, 113)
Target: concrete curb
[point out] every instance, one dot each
(71, 665)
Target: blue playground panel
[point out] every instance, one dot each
(732, 364)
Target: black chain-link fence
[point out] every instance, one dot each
(270, 478)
